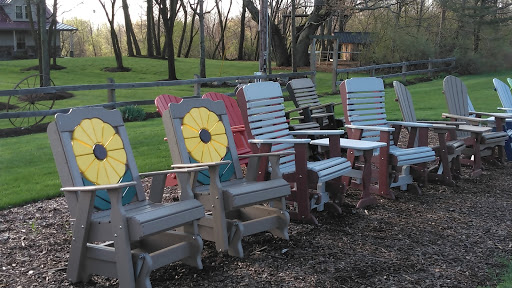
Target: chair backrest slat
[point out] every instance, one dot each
(262, 105)
(503, 91)
(364, 104)
(405, 102)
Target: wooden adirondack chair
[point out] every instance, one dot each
(97, 169)
(303, 93)
(447, 152)
(365, 119)
(236, 121)
(262, 108)
(505, 96)
(162, 104)
(479, 141)
(199, 134)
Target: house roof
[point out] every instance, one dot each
(353, 37)
(5, 2)
(7, 24)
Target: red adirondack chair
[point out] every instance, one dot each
(235, 121)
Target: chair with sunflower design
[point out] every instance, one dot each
(316, 184)
(117, 232)
(199, 134)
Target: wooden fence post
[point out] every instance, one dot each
(197, 86)
(404, 70)
(335, 66)
(111, 93)
(312, 59)
(430, 74)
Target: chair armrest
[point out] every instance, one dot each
(300, 108)
(165, 172)
(194, 165)
(410, 124)
(322, 105)
(321, 115)
(277, 141)
(465, 118)
(386, 129)
(504, 108)
(280, 153)
(317, 132)
(98, 187)
(474, 129)
(450, 123)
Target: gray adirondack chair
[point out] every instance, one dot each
(503, 91)
(133, 235)
(199, 133)
(303, 94)
(447, 152)
(365, 119)
(262, 109)
(480, 142)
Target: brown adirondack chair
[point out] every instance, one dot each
(132, 235)
(479, 141)
(365, 119)
(262, 109)
(447, 152)
(199, 133)
(303, 94)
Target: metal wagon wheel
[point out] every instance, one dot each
(30, 102)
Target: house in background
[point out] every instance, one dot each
(16, 39)
(351, 44)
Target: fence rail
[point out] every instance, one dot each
(111, 87)
(404, 65)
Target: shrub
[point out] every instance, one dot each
(132, 113)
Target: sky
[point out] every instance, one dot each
(92, 10)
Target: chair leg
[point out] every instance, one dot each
(142, 270)
(236, 233)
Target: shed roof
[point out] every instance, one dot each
(353, 37)
(6, 23)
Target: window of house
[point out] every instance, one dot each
(19, 12)
(26, 11)
(20, 41)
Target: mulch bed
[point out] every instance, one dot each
(447, 237)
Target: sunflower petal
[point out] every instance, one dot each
(222, 139)
(219, 148)
(102, 174)
(189, 132)
(97, 129)
(80, 148)
(193, 119)
(204, 114)
(218, 129)
(108, 133)
(81, 135)
(214, 154)
(91, 172)
(115, 143)
(112, 175)
(85, 161)
(86, 124)
(119, 155)
(197, 152)
(117, 166)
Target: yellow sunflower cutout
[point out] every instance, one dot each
(205, 135)
(99, 152)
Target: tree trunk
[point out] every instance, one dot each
(158, 45)
(184, 30)
(192, 33)
(168, 16)
(241, 39)
(319, 15)
(150, 25)
(130, 34)
(278, 40)
(115, 41)
(202, 57)
(222, 26)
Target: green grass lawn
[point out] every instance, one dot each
(27, 169)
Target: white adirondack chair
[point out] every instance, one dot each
(365, 119)
(262, 108)
(132, 235)
(480, 142)
(447, 152)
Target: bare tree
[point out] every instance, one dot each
(130, 34)
(192, 24)
(150, 26)
(113, 34)
(241, 39)
(222, 27)
(168, 16)
(184, 30)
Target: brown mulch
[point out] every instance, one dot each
(447, 237)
